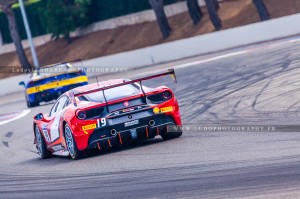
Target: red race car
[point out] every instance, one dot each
(107, 114)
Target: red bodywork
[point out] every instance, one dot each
(52, 125)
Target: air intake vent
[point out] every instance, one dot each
(94, 113)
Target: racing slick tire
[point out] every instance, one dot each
(171, 135)
(71, 144)
(41, 144)
(31, 104)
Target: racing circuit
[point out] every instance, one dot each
(258, 85)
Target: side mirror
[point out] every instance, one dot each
(22, 83)
(39, 116)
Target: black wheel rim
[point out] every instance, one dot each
(39, 138)
(69, 140)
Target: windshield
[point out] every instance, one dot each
(112, 94)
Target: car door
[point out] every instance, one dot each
(55, 116)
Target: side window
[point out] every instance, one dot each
(54, 108)
(59, 105)
(67, 103)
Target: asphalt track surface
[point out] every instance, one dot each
(260, 86)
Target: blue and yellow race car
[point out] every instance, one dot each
(49, 82)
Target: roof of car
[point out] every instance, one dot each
(51, 71)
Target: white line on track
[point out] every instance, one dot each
(20, 115)
(251, 49)
(189, 64)
(210, 59)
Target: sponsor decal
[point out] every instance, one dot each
(156, 110)
(46, 135)
(45, 132)
(116, 113)
(88, 127)
(100, 123)
(166, 109)
(131, 123)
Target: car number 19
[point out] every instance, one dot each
(101, 122)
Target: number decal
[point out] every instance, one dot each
(103, 122)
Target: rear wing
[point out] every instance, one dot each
(170, 72)
(67, 64)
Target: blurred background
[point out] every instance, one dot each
(86, 29)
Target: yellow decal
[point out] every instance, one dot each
(56, 84)
(156, 110)
(88, 127)
(166, 109)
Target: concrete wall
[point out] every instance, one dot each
(38, 41)
(245, 35)
(139, 17)
(217, 41)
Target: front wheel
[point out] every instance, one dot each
(71, 145)
(41, 144)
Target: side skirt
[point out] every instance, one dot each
(61, 153)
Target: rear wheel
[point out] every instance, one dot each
(31, 104)
(171, 135)
(71, 145)
(41, 144)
